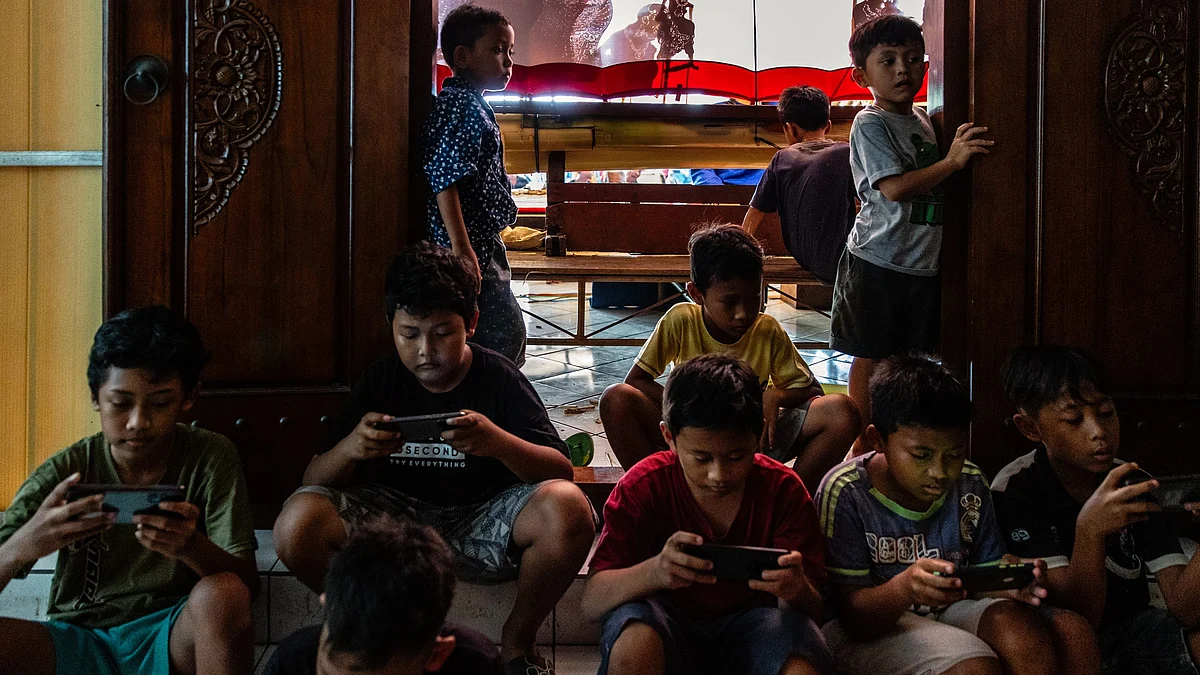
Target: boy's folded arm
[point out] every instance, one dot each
(1180, 586)
(1081, 585)
(531, 462)
(330, 468)
(644, 382)
(752, 220)
(609, 589)
(206, 558)
(909, 185)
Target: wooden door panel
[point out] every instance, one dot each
(262, 275)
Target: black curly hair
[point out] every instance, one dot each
(1036, 376)
(806, 107)
(723, 251)
(425, 278)
(463, 27)
(917, 391)
(893, 30)
(713, 391)
(155, 338)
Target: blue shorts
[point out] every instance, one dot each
(1150, 642)
(140, 647)
(752, 642)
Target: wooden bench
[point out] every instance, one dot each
(639, 233)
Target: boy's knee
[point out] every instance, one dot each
(221, 600)
(565, 511)
(843, 413)
(1015, 631)
(637, 646)
(617, 400)
(1071, 626)
(301, 524)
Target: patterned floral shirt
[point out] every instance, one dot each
(463, 147)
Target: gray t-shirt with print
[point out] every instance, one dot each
(901, 236)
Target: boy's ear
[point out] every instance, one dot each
(829, 126)
(189, 398)
(695, 293)
(460, 52)
(873, 439)
(443, 647)
(859, 75)
(472, 324)
(662, 426)
(1028, 427)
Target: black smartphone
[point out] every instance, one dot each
(1175, 491)
(420, 427)
(1003, 577)
(129, 501)
(737, 562)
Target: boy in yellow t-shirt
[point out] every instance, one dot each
(799, 419)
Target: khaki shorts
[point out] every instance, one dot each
(919, 645)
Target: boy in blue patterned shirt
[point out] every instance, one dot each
(901, 519)
(464, 164)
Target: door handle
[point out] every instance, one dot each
(146, 78)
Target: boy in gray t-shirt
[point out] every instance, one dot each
(886, 299)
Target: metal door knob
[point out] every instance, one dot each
(146, 78)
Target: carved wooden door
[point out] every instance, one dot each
(1084, 217)
(262, 187)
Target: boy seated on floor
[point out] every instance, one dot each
(1066, 502)
(386, 598)
(726, 317)
(499, 490)
(901, 519)
(170, 592)
(663, 612)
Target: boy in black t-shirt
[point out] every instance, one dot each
(386, 599)
(496, 485)
(1066, 502)
(809, 184)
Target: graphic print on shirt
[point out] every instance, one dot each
(1127, 565)
(429, 456)
(927, 209)
(903, 550)
(92, 547)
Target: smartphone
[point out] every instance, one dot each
(742, 563)
(129, 501)
(1002, 577)
(1175, 491)
(420, 427)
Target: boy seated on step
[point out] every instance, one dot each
(901, 519)
(663, 611)
(725, 316)
(499, 487)
(1066, 502)
(170, 592)
(386, 598)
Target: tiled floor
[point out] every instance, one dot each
(571, 379)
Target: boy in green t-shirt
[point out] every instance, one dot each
(166, 593)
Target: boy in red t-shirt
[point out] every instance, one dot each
(663, 612)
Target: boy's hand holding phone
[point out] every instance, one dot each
(168, 535)
(366, 442)
(475, 434)
(1112, 508)
(675, 569)
(786, 583)
(1035, 592)
(926, 588)
(57, 523)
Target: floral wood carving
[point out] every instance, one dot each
(237, 82)
(1145, 100)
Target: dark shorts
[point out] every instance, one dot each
(479, 535)
(1150, 642)
(501, 327)
(753, 642)
(879, 312)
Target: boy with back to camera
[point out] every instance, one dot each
(663, 610)
(471, 199)
(887, 296)
(901, 520)
(809, 184)
(170, 592)
(496, 484)
(726, 317)
(1067, 502)
(386, 599)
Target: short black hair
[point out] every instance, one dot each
(806, 107)
(155, 338)
(917, 391)
(893, 30)
(463, 27)
(388, 591)
(721, 252)
(1036, 376)
(426, 278)
(713, 391)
